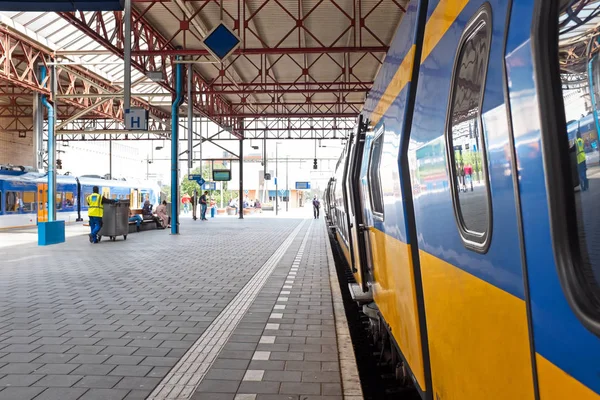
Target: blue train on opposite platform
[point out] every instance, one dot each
(454, 204)
(24, 195)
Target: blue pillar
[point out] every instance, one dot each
(175, 148)
(53, 231)
(592, 94)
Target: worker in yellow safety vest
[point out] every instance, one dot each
(581, 164)
(95, 202)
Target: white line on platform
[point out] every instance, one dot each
(183, 379)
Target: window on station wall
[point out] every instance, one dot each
(69, 199)
(375, 190)
(59, 201)
(29, 202)
(465, 136)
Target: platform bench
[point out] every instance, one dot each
(147, 225)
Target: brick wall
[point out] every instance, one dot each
(15, 150)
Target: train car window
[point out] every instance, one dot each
(29, 203)
(375, 190)
(59, 201)
(569, 115)
(69, 199)
(84, 202)
(465, 136)
(14, 202)
(1, 208)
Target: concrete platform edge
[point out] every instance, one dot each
(351, 386)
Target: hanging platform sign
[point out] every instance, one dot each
(63, 5)
(196, 177)
(136, 119)
(302, 185)
(221, 42)
(209, 186)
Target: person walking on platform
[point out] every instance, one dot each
(96, 203)
(194, 203)
(316, 206)
(581, 163)
(203, 206)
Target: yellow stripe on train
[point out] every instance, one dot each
(470, 320)
(556, 384)
(395, 294)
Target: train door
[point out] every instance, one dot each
(106, 192)
(42, 197)
(475, 292)
(134, 199)
(560, 219)
(359, 230)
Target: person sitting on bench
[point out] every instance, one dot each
(135, 218)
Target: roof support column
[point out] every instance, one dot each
(127, 57)
(241, 155)
(175, 148)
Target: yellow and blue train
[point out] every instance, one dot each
(24, 195)
(454, 206)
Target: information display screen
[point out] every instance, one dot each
(221, 175)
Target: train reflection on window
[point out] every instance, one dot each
(374, 176)
(584, 162)
(465, 137)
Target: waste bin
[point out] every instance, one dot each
(115, 221)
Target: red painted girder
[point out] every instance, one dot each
(94, 28)
(293, 84)
(307, 90)
(265, 50)
(316, 104)
(293, 115)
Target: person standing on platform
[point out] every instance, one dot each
(316, 206)
(203, 206)
(581, 163)
(194, 203)
(95, 203)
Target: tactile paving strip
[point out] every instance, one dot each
(186, 375)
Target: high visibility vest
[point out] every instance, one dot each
(95, 208)
(580, 152)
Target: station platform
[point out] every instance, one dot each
(228, 310)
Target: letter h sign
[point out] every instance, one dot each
(136, 119)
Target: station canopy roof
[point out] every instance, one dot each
(306, 58)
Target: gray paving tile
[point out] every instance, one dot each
(19, 380)
(20, 393)
(58, 380)
(19, 368)
(259, 387)
(61, 394)
(137, 383)
(99, 382)
(105, 394)
(56, 369)
(94, 369)
(218, 386)
(131, 370)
